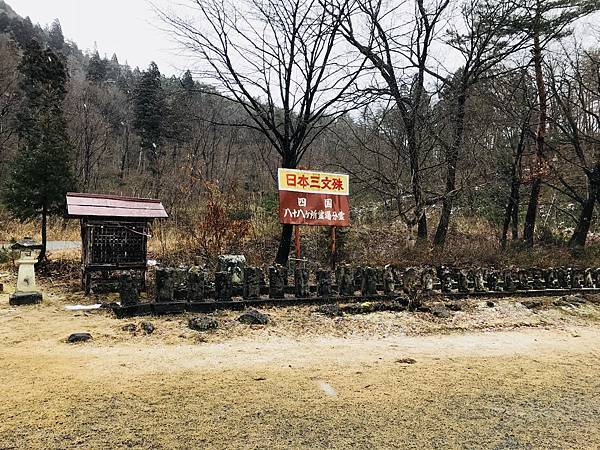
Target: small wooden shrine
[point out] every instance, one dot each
(114, 233)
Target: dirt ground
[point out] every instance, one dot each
(501, 376)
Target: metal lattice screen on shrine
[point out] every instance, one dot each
(117, 243)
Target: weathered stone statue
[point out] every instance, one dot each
(323, 283)
(252, 278)
(538, 282)
(409, 280)
(128, 290)
(509, 282)
(463, 281)
(564, 280)
(345, 280)
(197, 281)
(235, 265)
(223, 286)
(276, 281)
(588, 280)
(445, 279)
(577, 279)
(492, 280)
(369, 282)
(164, 284)
(479, 280)
(596, 277)
(427, 279)
(523, 280)
(180, 288)
(389, 282)
(358, 276)
(551, 278)
(301, 282)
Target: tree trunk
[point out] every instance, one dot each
(451, 162)
(515, 213)
(577, 241)
(42, 255)
(285, 241)
(530, 218)
(415, 172)
(511, 214)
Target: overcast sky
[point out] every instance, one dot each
(128, 28)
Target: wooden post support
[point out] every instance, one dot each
(297, 243)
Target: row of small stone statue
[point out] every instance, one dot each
(193, 284)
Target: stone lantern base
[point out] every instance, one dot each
(25, 298)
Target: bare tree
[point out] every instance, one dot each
(575, 90)
(399, 50)
(90, 132)
(281, 61)
(481, 40)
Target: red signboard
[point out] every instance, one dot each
(313, 198)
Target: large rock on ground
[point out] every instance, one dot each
(79, 337)
(202, 323)
(25, 298)
(253, 317)
(441, 311)
(147, 327)
(329, 310)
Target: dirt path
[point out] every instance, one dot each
(383, 386)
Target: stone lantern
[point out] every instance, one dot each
(26, 292)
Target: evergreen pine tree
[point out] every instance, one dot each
(149, 109)
(96, 72)
(56, 40)
(40, 174)
(187, 81)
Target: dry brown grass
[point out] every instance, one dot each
(471, 241)
(59, 229)
(303, 381)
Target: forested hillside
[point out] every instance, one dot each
(509, 137)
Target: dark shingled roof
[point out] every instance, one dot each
(97, 205)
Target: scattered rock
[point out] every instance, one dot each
(572, 299)
(199, 323)
(79, 337)
(454, 306)
(147, 327)
(403, 302)
(129, 327)
(253, 317)
(441, 311)
(329, 310)
(490, 304)
(532, 304)
(406, 361)
(25, 298)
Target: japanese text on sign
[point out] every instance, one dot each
(310, 181)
